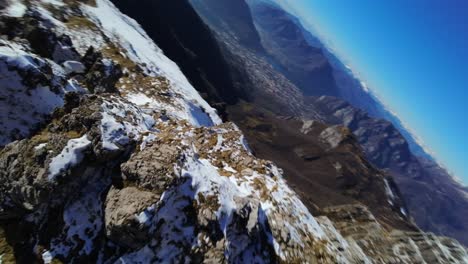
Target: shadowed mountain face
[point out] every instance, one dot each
(234, 16)
(263, 77)
(193, 47)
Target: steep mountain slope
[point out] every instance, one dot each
(196, 26)
(306, 66)
(435, 200)
(195, 48)
(279, 97)
(233, 17)
(323, 163)
(382, 143)
(340, 80)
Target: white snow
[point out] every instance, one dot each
(16, 9)
(205, 179)
(47, 257)
(73, 67)
(82, 220)
(364, 87)
(332, 136)
(388, 191)
(140, 99)
(147, 140)
(70, 156)
(307, 126)
(23, 107)
(54, 2)
(403, 211)
(142, 217)
(122, 121)
(40, 146)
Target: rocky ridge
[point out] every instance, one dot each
(128, 164)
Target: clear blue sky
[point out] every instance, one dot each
(414, 55)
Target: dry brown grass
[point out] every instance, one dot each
(77, 22)
(6, 250)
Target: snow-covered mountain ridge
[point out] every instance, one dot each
(110, 155)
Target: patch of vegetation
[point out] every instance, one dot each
(210, 201)
(116, 54)
(259, 184)
(79, 22)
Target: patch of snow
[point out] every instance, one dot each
(146, 140)
(332, 136)
(307, 126)
(16, 9)
(337, 166)
(245, 144)
(40, 146)
(121, 122)
(205, 179)
(139, 99)
(388, 191)
(364, 86)
(219, 142)
(47, 257)
(24, 107)
(70, 156)
(403, 211)
(203, 176)
(185, 111)
(200, 117)
(54, 2)
(82, 220)
(73, 86)
(73, 67)
(146, 215)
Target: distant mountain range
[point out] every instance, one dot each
(301, 70)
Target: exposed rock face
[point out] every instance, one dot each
(122, 209)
